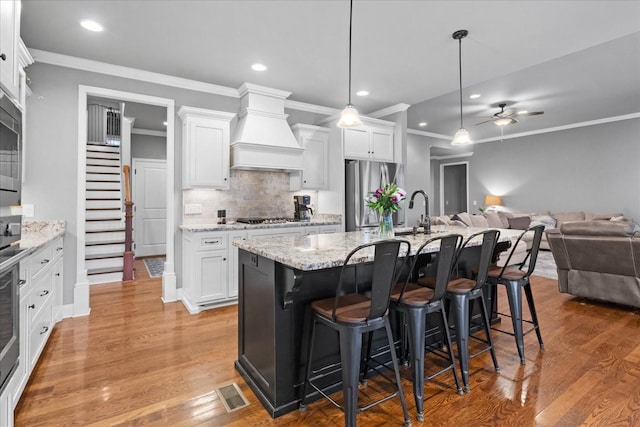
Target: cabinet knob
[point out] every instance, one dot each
(225, 179)
(57, 274)
(58, 249)
(3, 57)
(44, 293)
(21, 282)
(224, 259)
(31, 306)
(44, 330)
(305, 181)
(44, 261)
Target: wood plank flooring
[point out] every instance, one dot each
(137, 361)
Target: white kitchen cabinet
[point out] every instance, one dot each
(205, 141)
(233, 264)
(322, 229)
(9, 36)
(40, 309)
(267, 233)
(315, 158)
(369, 142)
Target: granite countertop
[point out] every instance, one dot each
(36, 234)
(316, 252)
(241, 226)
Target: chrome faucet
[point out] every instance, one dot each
(426, 221)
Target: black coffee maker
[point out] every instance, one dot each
(303, 211)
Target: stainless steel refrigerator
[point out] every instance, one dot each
(361, 178)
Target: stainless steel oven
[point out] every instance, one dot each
(10, 148)
(9, 314)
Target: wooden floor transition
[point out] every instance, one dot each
(137, 361)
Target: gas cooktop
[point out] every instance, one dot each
(258, 220)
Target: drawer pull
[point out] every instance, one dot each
(211, 242)
(58, 249)
(45, 329)
(44, 293)
(57, 274)
(21, 282)
(44, 261)
(31, 306)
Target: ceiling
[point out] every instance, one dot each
(575, 60)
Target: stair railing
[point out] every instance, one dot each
(127, 273)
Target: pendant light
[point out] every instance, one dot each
(462, 136)
(350, 117)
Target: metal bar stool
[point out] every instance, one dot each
(353, 315)
(415, 302)
(462, 292)
(515, 279)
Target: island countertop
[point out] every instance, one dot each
(315, 252)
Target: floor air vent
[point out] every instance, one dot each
(232, 397)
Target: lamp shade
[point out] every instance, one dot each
(349, 118)
(491, 200)
(461, 138)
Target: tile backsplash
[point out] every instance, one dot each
(250, 193)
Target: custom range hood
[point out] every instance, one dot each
(263, 139)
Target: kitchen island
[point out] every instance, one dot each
(278, 279)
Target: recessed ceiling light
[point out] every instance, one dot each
(422, 124)
(90, 25)
(165, 123)
(474, 96)
(259, 67)
(523, 112)
(362, 93)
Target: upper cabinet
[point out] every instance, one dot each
(9, 36)
(205, 142)
(315, 159)
(371, 141)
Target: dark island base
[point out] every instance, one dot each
(274, 322)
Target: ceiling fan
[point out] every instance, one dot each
(508, 116)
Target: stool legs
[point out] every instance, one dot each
(394, 359)
(514, 296)
(534, 315)
(447, 334)
(350, 352)
(417, 325)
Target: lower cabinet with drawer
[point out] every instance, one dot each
(210, 263)
(40, 309)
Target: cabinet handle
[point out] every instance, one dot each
(211, 242)
(57, 274)
(21, 282)
(58, 249)
(31, 306)
(44, 330)
(224, 259)
(43, 293)
(3, 57)
(44, 261)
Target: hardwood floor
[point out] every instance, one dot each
(137, 361)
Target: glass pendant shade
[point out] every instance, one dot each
(503, 121)
(461, 137)
(349, 117)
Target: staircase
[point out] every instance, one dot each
(105, 226)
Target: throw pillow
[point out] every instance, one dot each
(504, 217)
(479, 221)
(620, 218)
(494, 221)
(464, 217)
(519, 223)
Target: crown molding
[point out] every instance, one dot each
(429, 134)
(563, 127)
(149, 132)
(311, 108)
(393, 109)
(129, 73)
(452, 156)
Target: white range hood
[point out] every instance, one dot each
(263, 139)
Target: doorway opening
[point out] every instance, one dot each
(81, 288)
(454, 188)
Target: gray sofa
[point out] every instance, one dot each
(598, 260)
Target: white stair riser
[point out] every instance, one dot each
(105, 278)
(91, 194)
(104, 162)
(93, 204)
(104, 263)
(103, 177)
(113, 185)
(102, 155)
(104, 225)
(106, 214)
(104, 249)
(103, 148)
(103, 169)
(104, 237)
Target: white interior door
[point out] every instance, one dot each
(150, 203)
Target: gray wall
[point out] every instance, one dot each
(593, 168)
(148, 147)
(417, 173)
(52, 153)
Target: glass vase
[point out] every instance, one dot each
(386, 225)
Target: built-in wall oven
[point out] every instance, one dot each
(10, 233)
